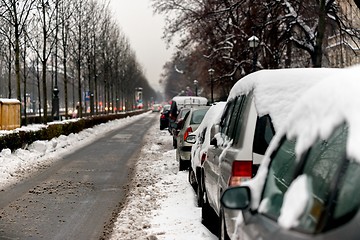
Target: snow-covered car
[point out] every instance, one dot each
(257, 107)
(191, 122)
(308, 184)
(201, 142)
(180, 102)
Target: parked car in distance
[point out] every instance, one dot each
(257, 107)
(156, 107)
(175, 126)
(308, 184)
(191, 122)
(164, 117)
(201, 141)
(179, 102)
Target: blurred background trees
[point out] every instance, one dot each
(215, 34)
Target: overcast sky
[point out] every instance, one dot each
(144, 31)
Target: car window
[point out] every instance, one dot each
(198, 115)
(324, 165)
(242, 120)
(348, 200)
(239, 104)
(280, 175)
(202, 136)
(226, 117)
(183, 113)
(264, 132)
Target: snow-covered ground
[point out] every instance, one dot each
(161, 203)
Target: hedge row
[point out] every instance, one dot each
(21, 139)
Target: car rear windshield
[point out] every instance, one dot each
(198, 115)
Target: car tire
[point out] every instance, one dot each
(222, 230)
(174, 143)
(192, 179)
(182, 165)
(200, 192)
(209, 218)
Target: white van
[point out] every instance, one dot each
(179, 102)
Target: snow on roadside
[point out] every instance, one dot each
(161, 203)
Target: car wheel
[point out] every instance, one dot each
(192, 179)
(182, 165)
(200, 194)
(174, 143)
(223, 232)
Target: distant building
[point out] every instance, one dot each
(343, 51)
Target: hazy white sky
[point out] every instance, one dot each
(144, 31)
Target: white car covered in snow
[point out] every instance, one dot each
(257, 107)
(307, 186)
(201, 139)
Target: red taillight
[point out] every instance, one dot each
(241, 171)
(203, 158)
(187, 132)
(162, 116)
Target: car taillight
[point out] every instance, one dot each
(187, 132)
(203, 158)
(241, 171)
(162, 116)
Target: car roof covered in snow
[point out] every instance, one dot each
(276, 91)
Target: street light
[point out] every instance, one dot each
(196, 87)
(55, 99)
(254, 43)
(211, 73)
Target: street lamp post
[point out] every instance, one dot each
(55, 96)
(196, 87)
(253, 44)
(211, 73)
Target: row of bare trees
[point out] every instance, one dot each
(66, 54)
(214, 34)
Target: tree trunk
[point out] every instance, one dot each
(318, 48)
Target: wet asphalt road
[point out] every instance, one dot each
(76, 197)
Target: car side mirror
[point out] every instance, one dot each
(191, 139)
(236, 198)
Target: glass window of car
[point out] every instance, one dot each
(264, 132)
(280, 175)
(348, 200)
(198, 115)
(225, 119)
(323, 165)
(238, 107)
(242, 120)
